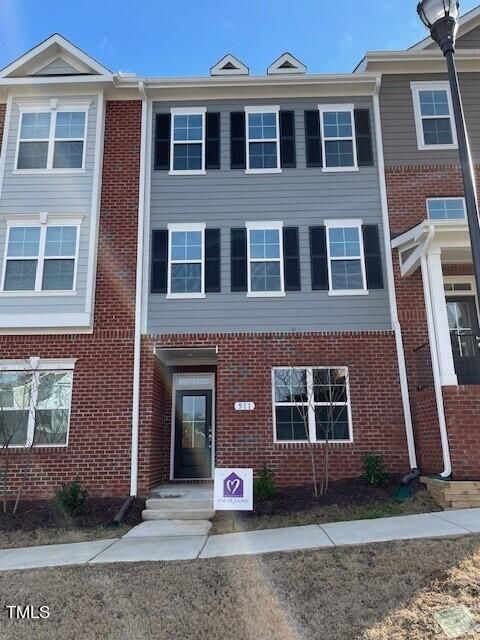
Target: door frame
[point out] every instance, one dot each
(206, 381)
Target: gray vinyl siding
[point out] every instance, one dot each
(52, 193)
(471, 40)
(398, 120)
(299, 197)
(57, 67)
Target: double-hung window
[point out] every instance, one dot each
(41, 257)
(263, 143)
(312, 404)
(265, 259)
(186, 264)
(446, 208)
(345, 255)
(35, 400)
(433, 115)
(187, 151)
(51, 140)
(338, 138)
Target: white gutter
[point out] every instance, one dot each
(402, 367)
(138, 296)
(447, 465)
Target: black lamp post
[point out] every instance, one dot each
(441, 17)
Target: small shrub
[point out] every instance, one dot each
(374, 470)
(71, 498)
(264, 485)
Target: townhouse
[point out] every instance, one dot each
(436, 293)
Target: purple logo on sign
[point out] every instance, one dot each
(233, 486)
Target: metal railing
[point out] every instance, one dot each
(423, 367)
(466, 356)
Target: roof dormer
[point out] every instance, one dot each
(286, 63)
(229, 66)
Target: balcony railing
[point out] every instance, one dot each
(466, 355)
(423, 367)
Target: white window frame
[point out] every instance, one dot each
(333, 108)
(416, 87)
(341, 224)
(53, 107)
(43, 221)
(187, 111)
(172, 228)
(34, 366)
(265, 226)
(263, 109)
(446, 220)
(312, 430)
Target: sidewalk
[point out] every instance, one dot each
(142, 544)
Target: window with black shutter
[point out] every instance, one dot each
(363, 137)
(212, 261)
(162, 142)
(313, 141)
(238, 251)
(287, 139)
(237, 140)
(159, 268)
(212, 148)
(318, 258)
(373, 256)
(291, 259)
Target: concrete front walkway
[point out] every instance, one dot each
(151, 541)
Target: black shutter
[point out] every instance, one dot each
(212, 260)
(364, 138)
(373, 256)
(318, 258)
(291, 259)
(313, 140)
(212, 149)
(238, 248)
(162, 142)
(287, 139)
(159, 261)
(237, 140)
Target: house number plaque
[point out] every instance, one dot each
(244, 406)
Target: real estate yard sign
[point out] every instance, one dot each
(233, 490)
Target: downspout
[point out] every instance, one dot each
(402, 367)
(138, 296)
(447, 465)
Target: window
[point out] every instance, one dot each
(35, 399)
(188, 141)
(263, 145)
(433, 115)
(265, 259)
(41, 257)
(446, 208)
(312, 404)
(338, 139)
(51, 140)
(186, 261)
(346, 264)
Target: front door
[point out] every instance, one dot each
(465, 337)
(193, 434)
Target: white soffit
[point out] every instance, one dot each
(229, 66)
(286, 63)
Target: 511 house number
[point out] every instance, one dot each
(244, 406)
(27, 612)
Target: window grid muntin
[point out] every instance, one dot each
(419, 88)
(172, 262)
(311, 404)
(360, 258)
(265, 260)
(188, 143)
(52, 139)
(264, 139)
(441, 205)
(341, 136)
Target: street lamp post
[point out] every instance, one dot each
(441, 17)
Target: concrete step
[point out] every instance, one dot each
(169, 528)
(179, 503)
(191, 491)
(178, 514)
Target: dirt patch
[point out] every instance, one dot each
(40, 522)
(352, 499)
(378, 592)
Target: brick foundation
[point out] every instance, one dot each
(243, 372)
(99, 446)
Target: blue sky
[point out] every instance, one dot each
(164, 37)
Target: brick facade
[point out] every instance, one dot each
(244, 372)
(407, 191)
(99, 445)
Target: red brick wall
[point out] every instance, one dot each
(100, 426)
(462, 408)
(243, 372)
(407, 191)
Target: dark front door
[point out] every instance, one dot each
(465, 338)
(193, 434)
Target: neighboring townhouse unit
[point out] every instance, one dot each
(69, 198)
(437, 298)
(266, 277)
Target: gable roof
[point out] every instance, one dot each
(47, 52)
(229, 65)
(286, 63)
(465, 24)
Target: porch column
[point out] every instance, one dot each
(440, 317)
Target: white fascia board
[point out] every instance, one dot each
(49, 80)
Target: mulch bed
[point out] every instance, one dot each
(43, 514)
(342, 493)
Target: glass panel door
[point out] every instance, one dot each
(193, 434)
(465, 338)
